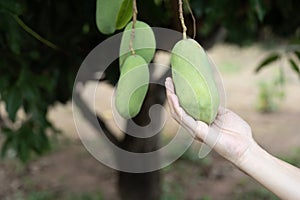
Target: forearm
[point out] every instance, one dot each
(277, 176)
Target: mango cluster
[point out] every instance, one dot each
(134, 78)
(191, 71)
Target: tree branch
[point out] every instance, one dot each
(95, 122)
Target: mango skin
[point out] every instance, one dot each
(144, 43)
(132, 86)
(194, 82)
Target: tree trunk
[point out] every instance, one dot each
(146, 186)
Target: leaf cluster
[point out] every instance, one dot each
(36, 74)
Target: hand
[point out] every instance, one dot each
(229, 134)
(232, 138)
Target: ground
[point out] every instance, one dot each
(70, 172)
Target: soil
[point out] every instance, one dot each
(70, 169)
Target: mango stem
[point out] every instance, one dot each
(134, 18)
(182, 19)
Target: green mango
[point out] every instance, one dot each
(132, 86)
(193, 80)
(143, 43)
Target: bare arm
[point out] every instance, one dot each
(276, 175)
(231, 137)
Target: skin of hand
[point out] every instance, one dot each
(231, 137)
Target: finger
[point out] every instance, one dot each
(201, 130)
(170, 103)
(169, 92)
(173, 102)
(169, 85)
(184, 117)
(171, 106)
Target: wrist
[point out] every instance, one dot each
(250, 156)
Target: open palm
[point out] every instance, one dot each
(229, 134)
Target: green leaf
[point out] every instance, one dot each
(294, 66)
(271, 58)
(4, 83)
(45, 82)
(30, 93)
(297, 53)
(13, 35)
(106, 15)
(158, 2)
(13, 101)
(124, 15)
(23, 151)
(25, 141)
(259, 9)
(11, 6)
(40, 143)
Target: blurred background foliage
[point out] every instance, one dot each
(43, 42)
